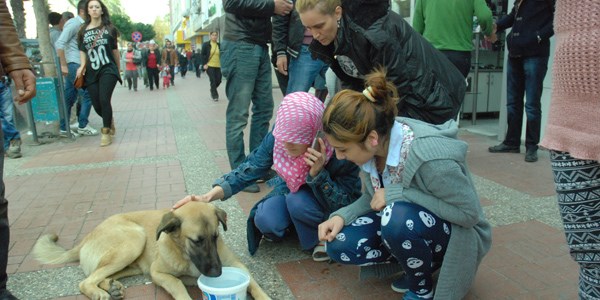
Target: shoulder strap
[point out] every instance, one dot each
(98, 36)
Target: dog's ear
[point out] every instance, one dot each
(169, 223)
(222, 216)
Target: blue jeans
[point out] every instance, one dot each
(276, 214)
(7, 115)
(303, 70)
(525, 77)
(71, 96)
(247, 68)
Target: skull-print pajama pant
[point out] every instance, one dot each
(402, 232)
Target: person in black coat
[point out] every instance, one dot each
(528, 46)
(183, 62)
(198, 66)
(356, 36)
(211, 58)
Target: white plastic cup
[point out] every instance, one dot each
(231, 285)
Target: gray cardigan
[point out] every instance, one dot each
(436, 177)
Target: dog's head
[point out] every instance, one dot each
(194, 228)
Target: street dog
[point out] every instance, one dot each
(174, 247)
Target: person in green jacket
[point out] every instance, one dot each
(419, 209)
(448, 26)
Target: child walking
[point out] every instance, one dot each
(166, 76)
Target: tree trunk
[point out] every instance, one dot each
(19, 16)
(40, 9)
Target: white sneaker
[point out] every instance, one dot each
(87, 130)
(63, 133)
(74, 125)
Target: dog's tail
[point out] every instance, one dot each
(47, 251)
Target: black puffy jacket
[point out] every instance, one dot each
(248, 20)
(430, 87)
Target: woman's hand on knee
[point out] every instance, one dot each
(329, 229)
(378, 201)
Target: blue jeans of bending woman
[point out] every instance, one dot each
(304, 70)
(274, 215)
(403, 233)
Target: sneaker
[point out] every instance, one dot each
(87, 130)
(14, 149)
(401, 285)
(254, 188)
(74, 125)
(412, 296)
(531, 155)
(63, 133)
(502, 148)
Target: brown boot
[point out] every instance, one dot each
(106, 138)
(113, 130)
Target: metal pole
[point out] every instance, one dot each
(475, 79)
(31, 122)
(62, 105)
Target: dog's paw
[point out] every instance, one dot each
(116, 290)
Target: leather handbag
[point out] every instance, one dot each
(78, 82)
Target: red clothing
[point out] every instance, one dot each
(129, 66)
(152, 60)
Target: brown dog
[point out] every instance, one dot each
(131, 244)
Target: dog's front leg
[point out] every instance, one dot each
(170, 283)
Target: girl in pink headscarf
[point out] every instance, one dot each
(311, 183)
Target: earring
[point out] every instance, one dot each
(339, 22)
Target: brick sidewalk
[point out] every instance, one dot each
(165, 136)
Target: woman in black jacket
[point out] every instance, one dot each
(354, 37)
(197, 59)
(211, 58)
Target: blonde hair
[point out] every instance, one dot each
(326, 7)
(351, 116)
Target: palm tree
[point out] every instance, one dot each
(40, 9)
(18, 16)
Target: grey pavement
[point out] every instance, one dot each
(170, 143)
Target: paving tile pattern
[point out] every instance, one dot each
(170, 143)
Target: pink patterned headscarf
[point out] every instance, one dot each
(298, 119)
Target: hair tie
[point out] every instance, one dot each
(368, 92)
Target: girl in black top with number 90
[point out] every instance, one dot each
(97, 41)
